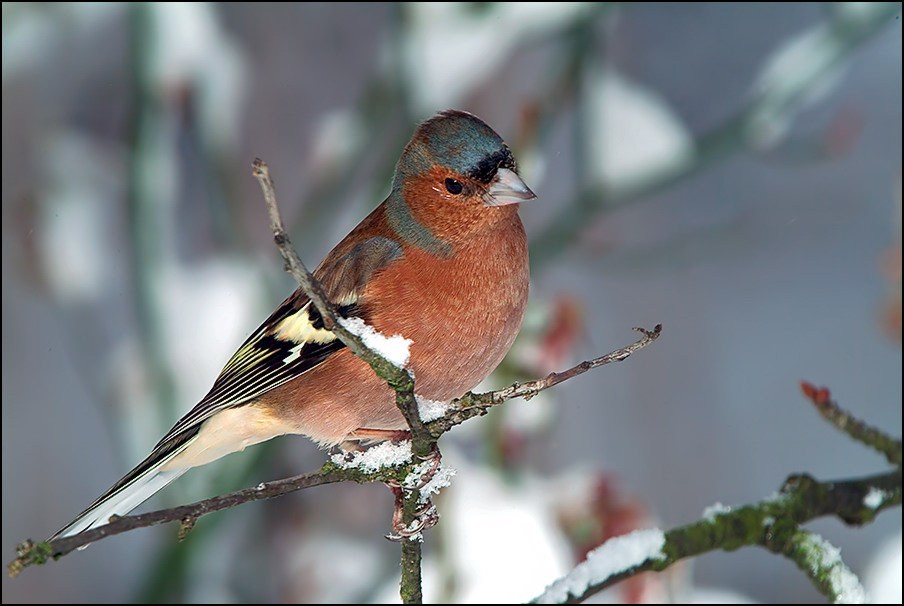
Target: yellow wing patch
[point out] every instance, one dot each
(298, 328)
(286, 346)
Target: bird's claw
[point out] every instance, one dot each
(425, 518)
(435, 458)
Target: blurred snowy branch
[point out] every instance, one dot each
(773, 523)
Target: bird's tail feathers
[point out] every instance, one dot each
(131, 491)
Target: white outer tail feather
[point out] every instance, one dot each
(126, 499)
(122, 503)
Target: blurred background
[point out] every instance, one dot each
(732, 171)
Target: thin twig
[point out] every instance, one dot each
(532, 388)
(296, 268)
(472, 405)
(31, 553)
(857, 429)
(398, 378)
(410, 585)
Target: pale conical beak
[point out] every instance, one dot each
(507, 188)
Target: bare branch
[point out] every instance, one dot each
(857, 429)
(37, 553)
(398, 378)
(529, 390)
(473, 405)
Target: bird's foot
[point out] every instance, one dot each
(434, 458)
(424, 518)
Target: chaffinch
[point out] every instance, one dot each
(442, 261)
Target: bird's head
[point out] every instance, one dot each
(456, 175)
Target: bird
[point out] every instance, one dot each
(442, 261)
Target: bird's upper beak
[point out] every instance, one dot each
(507, 188)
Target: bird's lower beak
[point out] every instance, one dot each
(507, 188)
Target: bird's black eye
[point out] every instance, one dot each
(453, 186)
